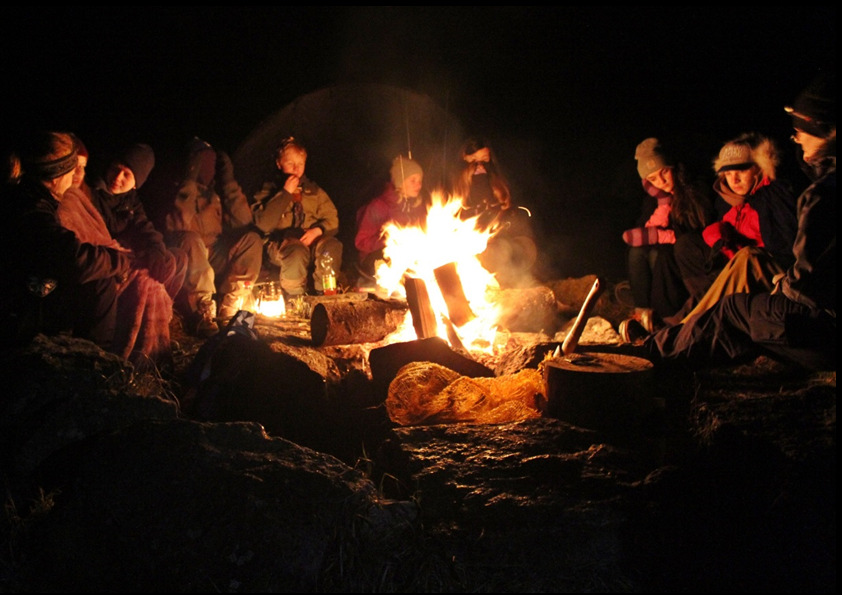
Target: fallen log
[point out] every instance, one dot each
(343, 322)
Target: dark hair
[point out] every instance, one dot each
(461, 185)
(691, 207)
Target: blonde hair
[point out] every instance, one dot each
(289, 144)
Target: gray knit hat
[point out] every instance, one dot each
(402, 168)
(650, 157)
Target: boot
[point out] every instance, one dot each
(646, 318)
(230, 304)
(205, 318)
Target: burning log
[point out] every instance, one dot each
(343, 322)
(423, 316)
(458, 308)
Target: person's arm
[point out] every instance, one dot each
(269, 208)
(811, 280)
(369, 235)
(66, 258)
(327, 216)
(778, 222)
(235, 206)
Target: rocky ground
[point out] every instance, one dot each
(286, 474)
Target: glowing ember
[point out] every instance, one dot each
(446, 241)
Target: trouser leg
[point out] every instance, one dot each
(236, 257)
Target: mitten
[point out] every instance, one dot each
(641, 236)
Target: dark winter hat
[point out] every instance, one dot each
(139, 158)
(814, 110)
(650, 157)
(201, 162)
(402, 168)
(48, 155)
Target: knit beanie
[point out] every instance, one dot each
(139, 158)
(402, 168)
(733, 155)
(814, 110)
(48, 155)
(650, 157)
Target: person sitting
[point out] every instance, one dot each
(480, 184)
(144, 308)
(209, 217)
(796, 320)
(299, 222)
(56, 282)
(115, 195)
(752, 242)
(402, 202)
(673, 214)
(80, 176)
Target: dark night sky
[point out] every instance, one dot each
(564, 93)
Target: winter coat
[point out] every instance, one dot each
(272, 208)
(127, 222)
(200, 208)
(765, 218)
(46, 249)
(811, 280)
(382, 210)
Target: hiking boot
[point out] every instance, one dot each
(205, 319)
(230, 304)
(632, 331)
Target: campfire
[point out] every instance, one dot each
(437, 270)
(431, 283)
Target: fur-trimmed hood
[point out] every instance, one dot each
(749, 148)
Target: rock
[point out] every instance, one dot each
(113, 484)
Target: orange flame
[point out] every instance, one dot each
(447, 238)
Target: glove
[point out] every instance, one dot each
(224, 168)
(729, 234)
